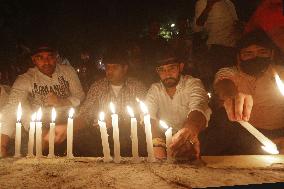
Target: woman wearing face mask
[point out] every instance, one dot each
(248, 92)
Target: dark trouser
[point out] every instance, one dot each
(223, 137)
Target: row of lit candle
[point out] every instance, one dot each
(36, 129)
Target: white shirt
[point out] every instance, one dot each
(31, 89)
(220, 22)
(268, 103)
(3, 96)
(116, 89)
(189, 96)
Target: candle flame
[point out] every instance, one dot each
(279, 83)
(34, 117)
(163, 124)
(112, 107)
(71, 113)
(143, 107)
(270, 148)
(39, 115)
(130, 111)
(102, 116)
(53, 115)
(19, 112)
(137, 99)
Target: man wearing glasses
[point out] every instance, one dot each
(182, 102)
(47, 85)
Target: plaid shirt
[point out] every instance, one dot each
(101, 94)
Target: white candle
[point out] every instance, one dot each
(148, 132)
(18, 132)
(169, 135)
(70, 134)
(268, 145)
(115, 129)
(31, 136)
(134, 137)
(52, 133)
(104, 137)
(38, 133)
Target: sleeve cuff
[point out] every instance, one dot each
(207, 113)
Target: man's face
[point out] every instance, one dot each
(116, 73)
(170, 74)
(45, 62)
(254, 51)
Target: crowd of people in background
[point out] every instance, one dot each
(215, 39)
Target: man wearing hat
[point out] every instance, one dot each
(248, 92)
(180, 101)
(46, 85)
(115, 87)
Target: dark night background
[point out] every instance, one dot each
(89, 24)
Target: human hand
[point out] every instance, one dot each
(210, 3)
(238, 107)
(160, 153)
(60, 135)
(185, 143)
(52, 100)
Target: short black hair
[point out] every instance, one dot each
(256, 37)
(165, 55)
(116, 55)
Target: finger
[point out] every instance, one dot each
(196, 147)
(177, 142)
(229, 107)
(239, 105)
(180, 152)
(248, 103)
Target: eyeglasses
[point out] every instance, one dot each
(167, 69)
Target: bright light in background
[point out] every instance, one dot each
(78, 70)
(279, 83)
(173, 25)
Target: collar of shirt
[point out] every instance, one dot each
(45, 76)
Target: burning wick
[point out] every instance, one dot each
(279, 83)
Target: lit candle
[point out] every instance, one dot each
(38, 133)
(115, 133)
(169, 135)
(279, 83)
(104, 137)
(70, 134)
(18, 132)
(148, 132)
(134, 137)
(52, 133)
(31, 136)
(268, 145)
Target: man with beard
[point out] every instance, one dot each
(47, 85)
(248, 92)
(182, 103)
